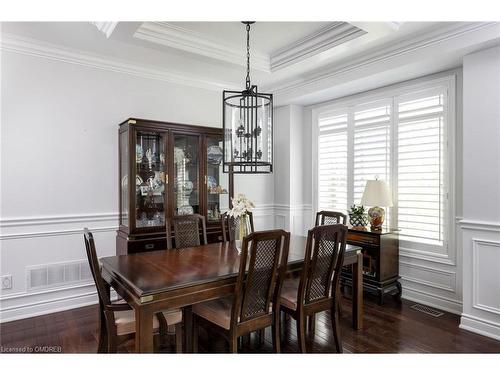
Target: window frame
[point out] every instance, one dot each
(394, 93)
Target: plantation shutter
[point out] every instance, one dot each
(421, 163)
(372, 126)
(332, 162)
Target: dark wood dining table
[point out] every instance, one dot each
(159, 280)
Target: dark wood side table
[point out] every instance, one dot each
(380, 261)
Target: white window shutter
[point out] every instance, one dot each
(332, 162)
(421, 164)
(372, 125)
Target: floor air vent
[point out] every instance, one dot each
(427, 310)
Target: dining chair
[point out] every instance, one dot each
(330, 217)
(327, 218)
(117, 319)
(187, 231)
(317, 287)
(255, 303)
(230, 225)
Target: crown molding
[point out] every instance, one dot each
(177, 37)
(106, 28)
(324, 39)
(380, 55)
(33, 47)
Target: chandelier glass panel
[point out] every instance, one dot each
(248, 127)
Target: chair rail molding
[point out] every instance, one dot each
(49, 226)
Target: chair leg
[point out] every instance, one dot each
(312, 323)
(301, 332)
(112, 346)
(276, 333)
(103, 333)
(339, 298)
(112, 338)
(336, 327)
(196, 332)
(262, 336)
(233, 344)
(178, 338)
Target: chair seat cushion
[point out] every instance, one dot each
(125, 320)
(289, 292)
(217, 311)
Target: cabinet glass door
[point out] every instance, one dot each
(186, 174)
(150, 179)
(217, 182)
(124, 183)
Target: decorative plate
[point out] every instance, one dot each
(214, 155)
(211, 182)
(138, 153)
(185, 210)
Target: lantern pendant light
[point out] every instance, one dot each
(247, 121)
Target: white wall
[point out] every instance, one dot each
(59, 131)
(291, 213)
(481, 193)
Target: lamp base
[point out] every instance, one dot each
(377, 216)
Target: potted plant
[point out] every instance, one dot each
(358, 216)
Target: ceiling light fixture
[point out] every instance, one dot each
(247, 121)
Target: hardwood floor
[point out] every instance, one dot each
(392, 328)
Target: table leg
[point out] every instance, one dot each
(188, 329)
(357, 293)
(143, 330)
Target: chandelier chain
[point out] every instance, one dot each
(248, 57)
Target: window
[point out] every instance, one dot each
(401, 139)
(332, 163)
(421, 163)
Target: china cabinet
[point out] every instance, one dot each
(168, 169)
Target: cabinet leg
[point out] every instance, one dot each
(381, 297)
(400, 291)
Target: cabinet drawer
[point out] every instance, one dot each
(139, 246)
(362, 239)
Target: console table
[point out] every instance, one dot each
(380, 261)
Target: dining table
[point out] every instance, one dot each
(155, 281)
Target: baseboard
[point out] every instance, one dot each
(441, 303)
(480, 326)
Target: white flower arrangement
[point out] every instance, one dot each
(241, 205)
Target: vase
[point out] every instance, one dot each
(150, 206)
(241, 232)
(243, 227)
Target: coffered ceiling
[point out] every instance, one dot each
(285, 56)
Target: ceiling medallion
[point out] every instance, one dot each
(247, 121)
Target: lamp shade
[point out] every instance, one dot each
(376, 194)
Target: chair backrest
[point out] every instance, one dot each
(94, 267)
(265, 256)
(323, 260)
(187, 230)
(230, 225)
(330, 217)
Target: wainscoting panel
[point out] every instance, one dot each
(431, 278)
(47, 260)
(481, 282)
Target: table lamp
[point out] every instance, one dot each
(376, 194)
